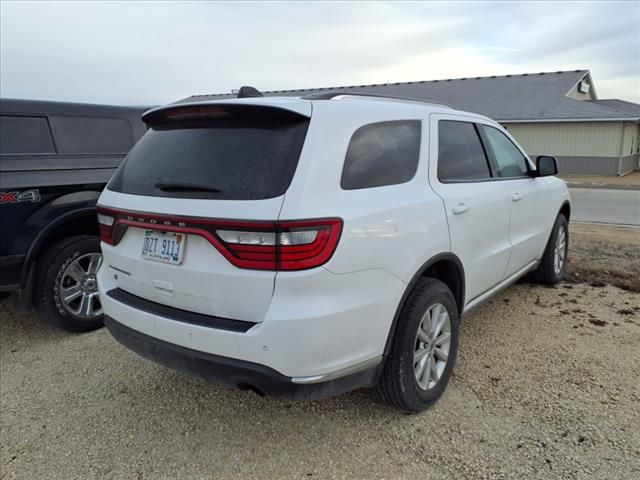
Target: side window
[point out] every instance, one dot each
(509, 160)
(379, 154)
(460, 153)
(91, 134)
(25, 135)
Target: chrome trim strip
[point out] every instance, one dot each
(119, 270)
(372, 362)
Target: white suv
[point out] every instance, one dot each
(308, 246)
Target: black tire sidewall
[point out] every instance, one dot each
(50, 270)
(554, 277)
(426, 293)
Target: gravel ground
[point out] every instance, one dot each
(546, 386)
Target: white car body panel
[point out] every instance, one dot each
(529, 205)
(478, 216)
(402, 226)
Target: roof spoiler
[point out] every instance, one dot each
(218, 111)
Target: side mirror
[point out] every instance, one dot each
(546, 166)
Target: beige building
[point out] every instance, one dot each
(586, 145)
(554, 113)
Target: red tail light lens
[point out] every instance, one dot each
(286, 245)
(106, 222)
(294, 245)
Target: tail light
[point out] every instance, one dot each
(285, 245)
(294, 245)
(105, 222)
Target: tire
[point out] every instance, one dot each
(547, 272)
(399, 384)
(57, 270)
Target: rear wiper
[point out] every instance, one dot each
(185, 187)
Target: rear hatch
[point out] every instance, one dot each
(189, 219)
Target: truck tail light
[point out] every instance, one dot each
(255, 245)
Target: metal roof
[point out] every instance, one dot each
(522, 97)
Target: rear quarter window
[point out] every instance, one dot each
(380, 154)
(25, 135)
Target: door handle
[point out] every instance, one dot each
(460, 208)
(516, 197)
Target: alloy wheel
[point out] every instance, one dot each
(560, 250)
(79, 287)
(433, 341)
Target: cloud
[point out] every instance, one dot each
(156, 52)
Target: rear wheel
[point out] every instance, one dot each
(554, 259)
(67, 291)
(424, 348)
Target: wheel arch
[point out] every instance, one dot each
(80, 221)
(565, 210)
(445, 267)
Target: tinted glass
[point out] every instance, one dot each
(510, 162)
(75, 135)
(384, 153)
(25, 135)
(243, 159)
(460, 153)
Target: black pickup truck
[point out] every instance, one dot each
(55, 159)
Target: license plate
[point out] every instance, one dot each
(167, 247)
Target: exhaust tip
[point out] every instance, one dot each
(253, 388)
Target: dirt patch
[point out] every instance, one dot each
(604, 255)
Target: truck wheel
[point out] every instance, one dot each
(424, 348)
(554, 259)
(66, 288)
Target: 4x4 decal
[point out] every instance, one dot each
(19, 197)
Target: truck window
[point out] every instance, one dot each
(25, 135)
(77, 135)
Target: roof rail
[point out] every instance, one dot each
(340, 93)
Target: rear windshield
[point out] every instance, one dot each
(230, 159)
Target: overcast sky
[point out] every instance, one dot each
(156, 52)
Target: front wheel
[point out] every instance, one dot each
(424, 348)
(554, 259)
(67, 292)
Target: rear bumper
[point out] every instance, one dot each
(234, 372)
(318, 325)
